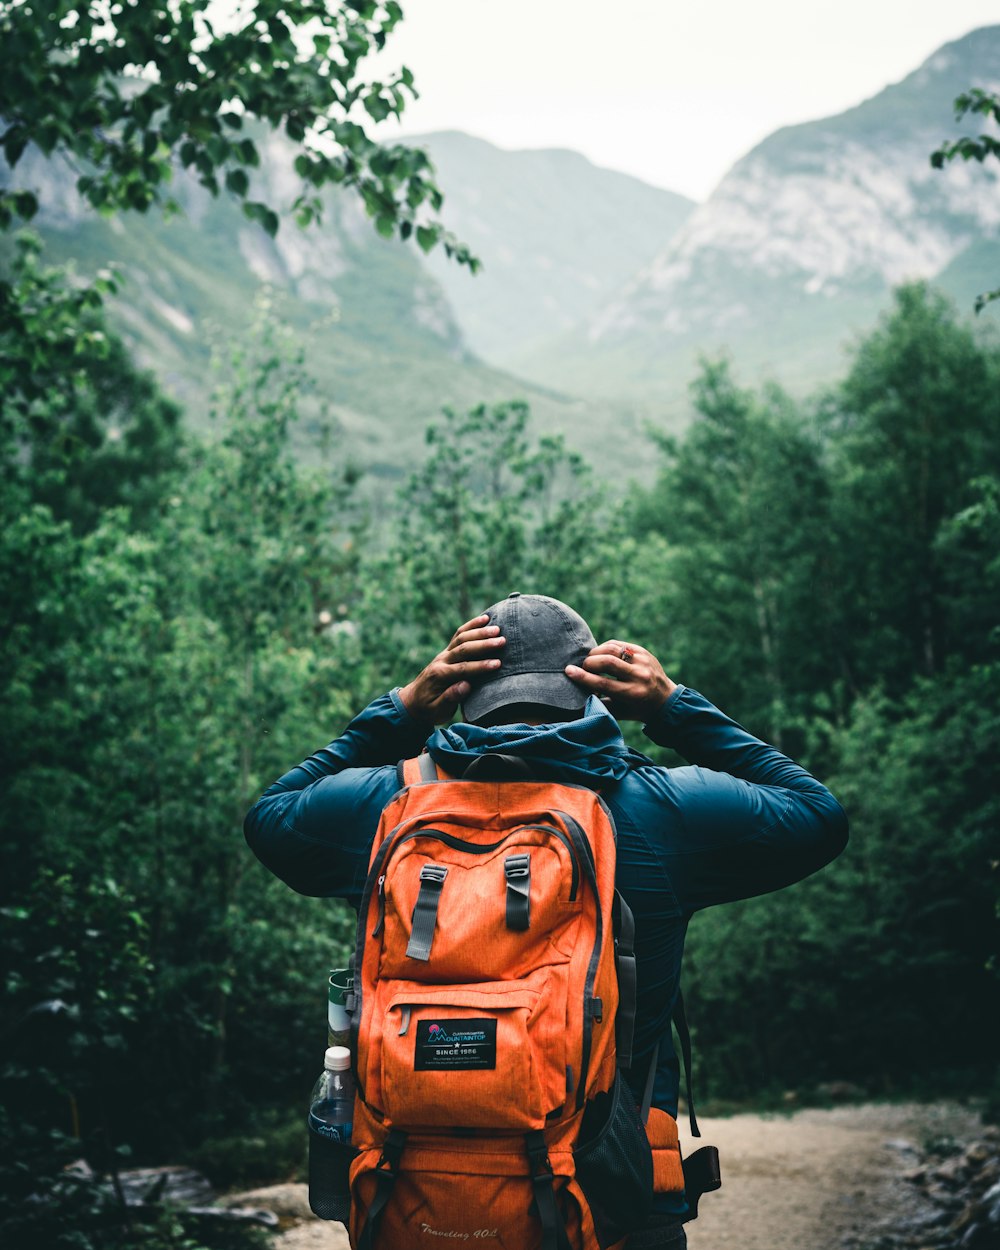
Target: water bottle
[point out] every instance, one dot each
(338, 1021)
(331, 1113)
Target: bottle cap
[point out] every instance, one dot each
(337, 1059)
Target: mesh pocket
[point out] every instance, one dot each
(614, 1164)
(329, 1168)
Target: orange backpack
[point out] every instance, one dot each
(493, 969)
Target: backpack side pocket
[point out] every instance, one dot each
(614, 1164)
(329, 1178)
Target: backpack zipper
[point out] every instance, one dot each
(483, 848)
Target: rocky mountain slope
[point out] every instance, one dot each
(802, 240)
(557, 236)
(379, 335)
(794, 253)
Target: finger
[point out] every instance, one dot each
(596, 683)
(473, 635)
(610, 662)
(617, 646)
(457, 692)
(475, 623)
(446, 672)
(475, 648)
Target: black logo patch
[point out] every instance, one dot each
(453, 1045)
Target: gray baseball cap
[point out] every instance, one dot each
(543, 636)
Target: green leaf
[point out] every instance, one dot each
(25, 204)
(385, 225)
(427, 236)
(248, 154)
(377, 107)
(14, 142)
(986, 298)
(238, 182)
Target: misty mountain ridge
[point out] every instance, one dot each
(594, 283)
(557, 235)
(802, 240)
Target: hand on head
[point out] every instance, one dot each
(444, 683)
(627, 677)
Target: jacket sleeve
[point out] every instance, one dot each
(314, 826)
(745, 819)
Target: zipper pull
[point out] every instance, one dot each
(404, 1024)
(381, 907)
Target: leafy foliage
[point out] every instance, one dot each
(179, 631)
(83, 428)
(969, 148)
(126, 90)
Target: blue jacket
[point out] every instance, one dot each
(743, 819)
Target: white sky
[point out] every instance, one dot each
(671, 92)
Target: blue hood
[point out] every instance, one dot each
(587, 750)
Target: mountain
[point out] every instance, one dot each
(557, 237)
(378, 333)
(800, 243)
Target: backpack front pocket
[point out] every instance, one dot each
(462, 1191)
(469, 1057)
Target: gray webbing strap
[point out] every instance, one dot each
(679, 1020)
(425, 912)
(517, 870)
(624, 930)
(428, 769)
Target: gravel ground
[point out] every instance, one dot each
(814, 1180)
(817, 1180)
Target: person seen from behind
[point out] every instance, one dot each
(740, 819)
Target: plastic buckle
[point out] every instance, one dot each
(516, 867)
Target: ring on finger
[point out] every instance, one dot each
(626, 655)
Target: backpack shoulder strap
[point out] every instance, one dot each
(422, 768)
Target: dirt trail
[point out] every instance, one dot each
(815, 1180)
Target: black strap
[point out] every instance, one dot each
(553, 1229)
(425, 911)
(623, 924)
(497, 767)
(647, 1093)
(702, 1175)
(385, 1179)
(684, 1034)
(517, 870)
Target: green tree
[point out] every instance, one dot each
(970, 148)
(130, 89)
(82, 429)
(154, 681)
(915, 421)
(491, 509)
(742, 504)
